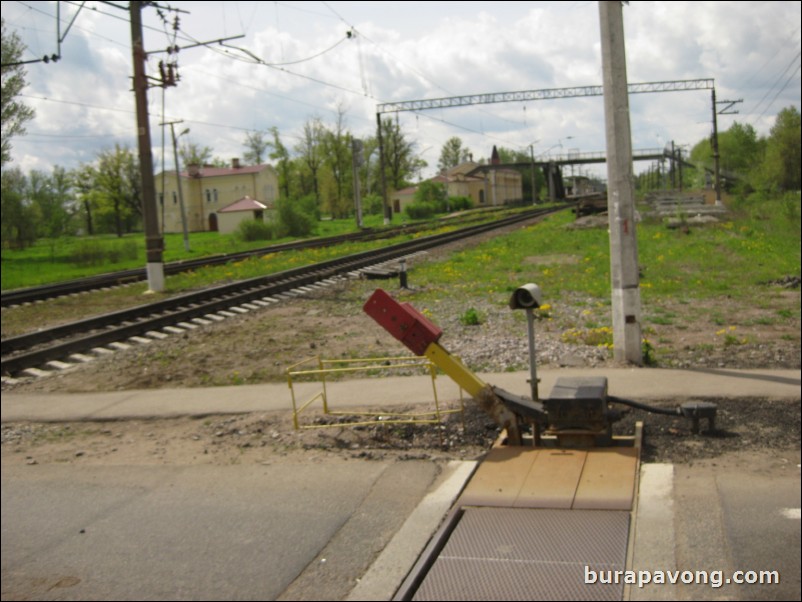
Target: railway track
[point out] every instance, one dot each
(123, 277)
(67, 344)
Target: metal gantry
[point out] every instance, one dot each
(544, 94)
(521, 96)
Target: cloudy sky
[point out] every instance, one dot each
(314, 57)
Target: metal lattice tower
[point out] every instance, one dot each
(544, 94)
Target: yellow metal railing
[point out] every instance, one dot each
(325, 368)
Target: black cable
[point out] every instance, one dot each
(643, 406)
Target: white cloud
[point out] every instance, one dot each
(404, 51)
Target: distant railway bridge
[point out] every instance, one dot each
(552, 165)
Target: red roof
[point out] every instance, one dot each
(246, 203)
(210, 172)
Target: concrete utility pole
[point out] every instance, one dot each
(358, 159)
(532, 158)
(620, 189)
(716, 156)
(178, 180)
(385, 205)
(154, 243)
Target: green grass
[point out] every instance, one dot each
(56, 260)
(760, 242)
(728, 258)
(268, 264)
(61, 259)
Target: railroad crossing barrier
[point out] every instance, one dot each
(556, 495)
(322, 371)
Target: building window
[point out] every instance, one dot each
(208, 196)
(215, 195)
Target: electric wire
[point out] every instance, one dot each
(257, 60)
(781, 90)
(411, 67)
(279, 66)
(775, 84)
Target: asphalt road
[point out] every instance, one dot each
(312, 529)
(726, 518)
(200, 532)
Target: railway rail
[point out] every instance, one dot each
(122, 277)
(56, 344)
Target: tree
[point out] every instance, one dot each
(783, 161)
(14, 113)
(19, 215)
(52, 196)
(310, 151)
(740, 152)
(281, 156)
(256, 146)
(452, 154)
(117, 182)
(702, 158)
(369, 169)
(62, 221)
(338, 159)
(37, 205)
(771, 163)
(192, 153)
(83, 181)
(399, 159)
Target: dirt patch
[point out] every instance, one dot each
(742, 425)
(725, 332)
(552, 260)
(259, 346)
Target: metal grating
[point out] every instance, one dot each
(529, 554)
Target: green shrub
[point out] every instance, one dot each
(93, 252)
(372, 204)
(790, 204)
(297, 217)
(421, 210)
(471, 318)
(648, 352)
(122, 251)
(460, 203)
(432, 192)
(251, 230)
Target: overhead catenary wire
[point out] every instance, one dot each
(183, 36)
(294, 62)
(781, 90)
(332, 70)
(412, 68)
(775, 84)
(258, 60)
